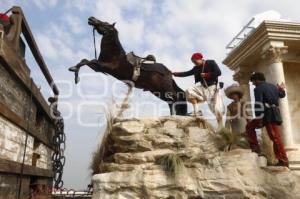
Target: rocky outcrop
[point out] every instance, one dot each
(131, 167)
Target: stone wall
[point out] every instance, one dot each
(132, 169)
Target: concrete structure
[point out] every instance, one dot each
(274, 49)
(133, 164)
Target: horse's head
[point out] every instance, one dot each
(101, 27)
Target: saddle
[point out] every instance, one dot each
(140, 63)
(133, 58)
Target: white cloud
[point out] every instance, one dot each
(43, 4)
(74, 23)
(59, 44)
(79, 5)
(268, 15)
(47, 47)
(132, 32)
(108, 11)
(60, 32)
(6, 4)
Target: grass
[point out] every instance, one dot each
(98, 155)
(231, 139)
(204, 124)
(171, 163)
(95, 163)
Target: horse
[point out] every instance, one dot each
(112, 60)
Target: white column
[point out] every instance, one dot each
(243, 78)
(276, 76)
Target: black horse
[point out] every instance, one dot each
(113, 60)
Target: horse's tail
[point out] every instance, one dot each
(181, 104)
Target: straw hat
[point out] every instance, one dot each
(234, 88)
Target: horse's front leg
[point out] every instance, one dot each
(96, 65)
(76, 68)
(99, 66)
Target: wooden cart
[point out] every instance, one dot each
(27, 125)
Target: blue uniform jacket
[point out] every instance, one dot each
(267, 93)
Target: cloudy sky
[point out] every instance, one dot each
(170, 29)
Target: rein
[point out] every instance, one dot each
(94, 29)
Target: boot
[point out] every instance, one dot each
(282, 164)
(257, 150)
(194, 102)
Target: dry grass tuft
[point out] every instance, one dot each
(98, 155)
(204, 124)
(171, 163)
(230, 140)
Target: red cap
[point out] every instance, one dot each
(4, 17)
(197, 56)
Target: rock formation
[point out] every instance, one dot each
(131, 166)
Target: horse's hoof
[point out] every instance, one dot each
(73, 69)
(77, 79)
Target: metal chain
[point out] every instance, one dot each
(58, 157)
(59, 143)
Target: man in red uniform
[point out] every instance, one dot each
(267, 114)
(206, 72)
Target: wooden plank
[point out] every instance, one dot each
(12, 167)
(20, 122)
(36, 52)
(10, 57)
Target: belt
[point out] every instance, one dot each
(270, 105)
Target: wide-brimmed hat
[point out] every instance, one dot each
(234, 88)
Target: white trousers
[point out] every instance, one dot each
(211, 95)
